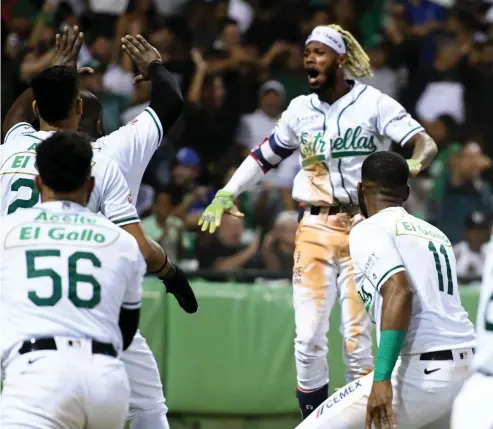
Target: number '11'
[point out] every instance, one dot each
(438, 266)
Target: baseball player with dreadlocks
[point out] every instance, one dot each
(336, 128)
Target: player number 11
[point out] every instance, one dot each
(438, 265)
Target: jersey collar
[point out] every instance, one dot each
(62, 205)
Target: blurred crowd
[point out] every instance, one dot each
(239, 63)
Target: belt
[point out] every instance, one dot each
(50, 344)
(438, 355)
(332, 210)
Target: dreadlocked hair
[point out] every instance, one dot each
(358, 63)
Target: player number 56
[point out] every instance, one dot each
(74, 278)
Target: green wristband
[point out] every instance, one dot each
(391, 342)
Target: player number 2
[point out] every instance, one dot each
(23, 204)
(74, 278)
(438, 265)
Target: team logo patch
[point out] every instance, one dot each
(133, 121)
(130, 199)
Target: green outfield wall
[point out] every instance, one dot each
(235, 355)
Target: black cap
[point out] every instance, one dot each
(478, 220)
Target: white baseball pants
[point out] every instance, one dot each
(68, 388)
(419, 398)
(473, 407)
(147, 404)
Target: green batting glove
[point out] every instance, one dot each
(222, 202)
(414, 167)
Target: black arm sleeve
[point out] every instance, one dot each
(129, 322)
(166, 97)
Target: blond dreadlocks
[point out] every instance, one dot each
(358, 63)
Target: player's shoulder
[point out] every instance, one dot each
(300, 109)
(19, 217)
(380, 223)
(301, 102)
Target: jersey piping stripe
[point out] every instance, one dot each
(393, 270)
(133, 219)
(410, 132)
(323, 163)
(160, 134)
(21, 124)
(339, 134)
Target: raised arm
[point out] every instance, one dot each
(67, 48)
(166, 97)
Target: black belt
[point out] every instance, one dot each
(332, 210)
(438, 355)
(50, 344)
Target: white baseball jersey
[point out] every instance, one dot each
(132, 147)
(483, 360)
(393, 241)
(65, 271)
(111, 195)
(334, 140)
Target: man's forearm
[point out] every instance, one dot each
(166, 97)
(396, 316)
(156, 259)
(20, 111)
(245, 177)
(425, 149)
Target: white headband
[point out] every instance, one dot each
(328, 36)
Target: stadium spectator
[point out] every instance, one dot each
(225, 251)
(465, 191)
(434, 56)
(470, 254)
(278, 245)
(183, 197)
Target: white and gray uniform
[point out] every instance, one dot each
(389, 242)
(472, 407)
(65, 274)
(132, 147)
(126, 151)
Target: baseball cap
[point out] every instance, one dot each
(188, 157)
(478, 220)
(272, 85)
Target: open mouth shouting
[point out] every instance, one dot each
(314, 76)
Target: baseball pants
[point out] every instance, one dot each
(472, 407)
(423, 393)
(147, 404)
(68, 388)
(323, 272)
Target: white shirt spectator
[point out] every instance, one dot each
(441, 98)
(114, 7)
(118, 81)
(254, 128)
(385, 80)
(469, 262)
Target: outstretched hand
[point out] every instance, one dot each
(142, 53)
(67, 48)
